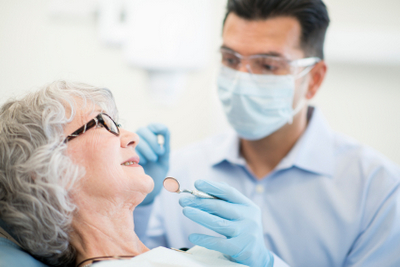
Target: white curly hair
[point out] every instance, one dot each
(35, 172)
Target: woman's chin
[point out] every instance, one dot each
(150, 184)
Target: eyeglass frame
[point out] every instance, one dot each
(93, 123)
(302, 62)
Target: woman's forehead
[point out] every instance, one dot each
(83, 114)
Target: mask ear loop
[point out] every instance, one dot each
(304, 72)
(302, 101)
(297, 109)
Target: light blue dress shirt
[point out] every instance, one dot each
(330, 202)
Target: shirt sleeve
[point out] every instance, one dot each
(379, 242)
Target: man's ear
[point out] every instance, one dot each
(317, 76)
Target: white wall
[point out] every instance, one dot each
(359, 99)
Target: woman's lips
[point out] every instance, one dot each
(132, 162)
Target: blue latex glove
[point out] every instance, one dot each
(153, 157)
(234, 216)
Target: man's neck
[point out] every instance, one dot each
(262, 156)
(96, 235)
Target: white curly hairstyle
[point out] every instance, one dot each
(35, 172)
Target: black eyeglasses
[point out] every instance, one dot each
(100, 120)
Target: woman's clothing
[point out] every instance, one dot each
(164, 257)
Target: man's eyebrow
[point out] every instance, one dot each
(274, 54)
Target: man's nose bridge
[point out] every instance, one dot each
(245, 65)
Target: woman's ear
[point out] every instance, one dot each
(317, 76)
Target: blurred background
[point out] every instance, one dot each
(46, 40)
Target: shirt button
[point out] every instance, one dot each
(260, 189)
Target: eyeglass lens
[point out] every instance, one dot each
(109, 124)
(258, 64)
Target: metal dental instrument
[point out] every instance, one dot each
(160, 140)
(172, 185)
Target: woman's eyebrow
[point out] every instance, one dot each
(94, 111)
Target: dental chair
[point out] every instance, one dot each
(11, 254)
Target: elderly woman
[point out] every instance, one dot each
(69, 176)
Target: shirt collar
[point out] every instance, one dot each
(313, 152)
(228, 150)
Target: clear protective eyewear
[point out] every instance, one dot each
(266, 64)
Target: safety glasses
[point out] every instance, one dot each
(101, 120)
(265, 64)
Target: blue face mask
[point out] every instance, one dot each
(256, 105)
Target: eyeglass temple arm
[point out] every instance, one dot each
(82, 130)
(305, 62)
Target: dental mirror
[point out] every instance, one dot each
(172, 185)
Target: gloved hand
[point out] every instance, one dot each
(234, 216)
(153, 158)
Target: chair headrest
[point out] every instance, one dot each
(7, 233)
(14, 255)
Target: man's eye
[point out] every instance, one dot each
(230, 61)
(269, 67)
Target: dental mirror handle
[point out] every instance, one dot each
(172, 185)
(198, 193)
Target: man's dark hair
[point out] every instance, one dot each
(311, 14)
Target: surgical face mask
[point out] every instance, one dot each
(257, 105)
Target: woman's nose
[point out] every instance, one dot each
(128, 138)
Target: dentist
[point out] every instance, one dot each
(299, 193)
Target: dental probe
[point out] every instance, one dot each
(172, 185)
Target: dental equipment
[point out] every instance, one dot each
(172, 185)
(160, 140)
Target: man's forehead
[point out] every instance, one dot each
(279, 35)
